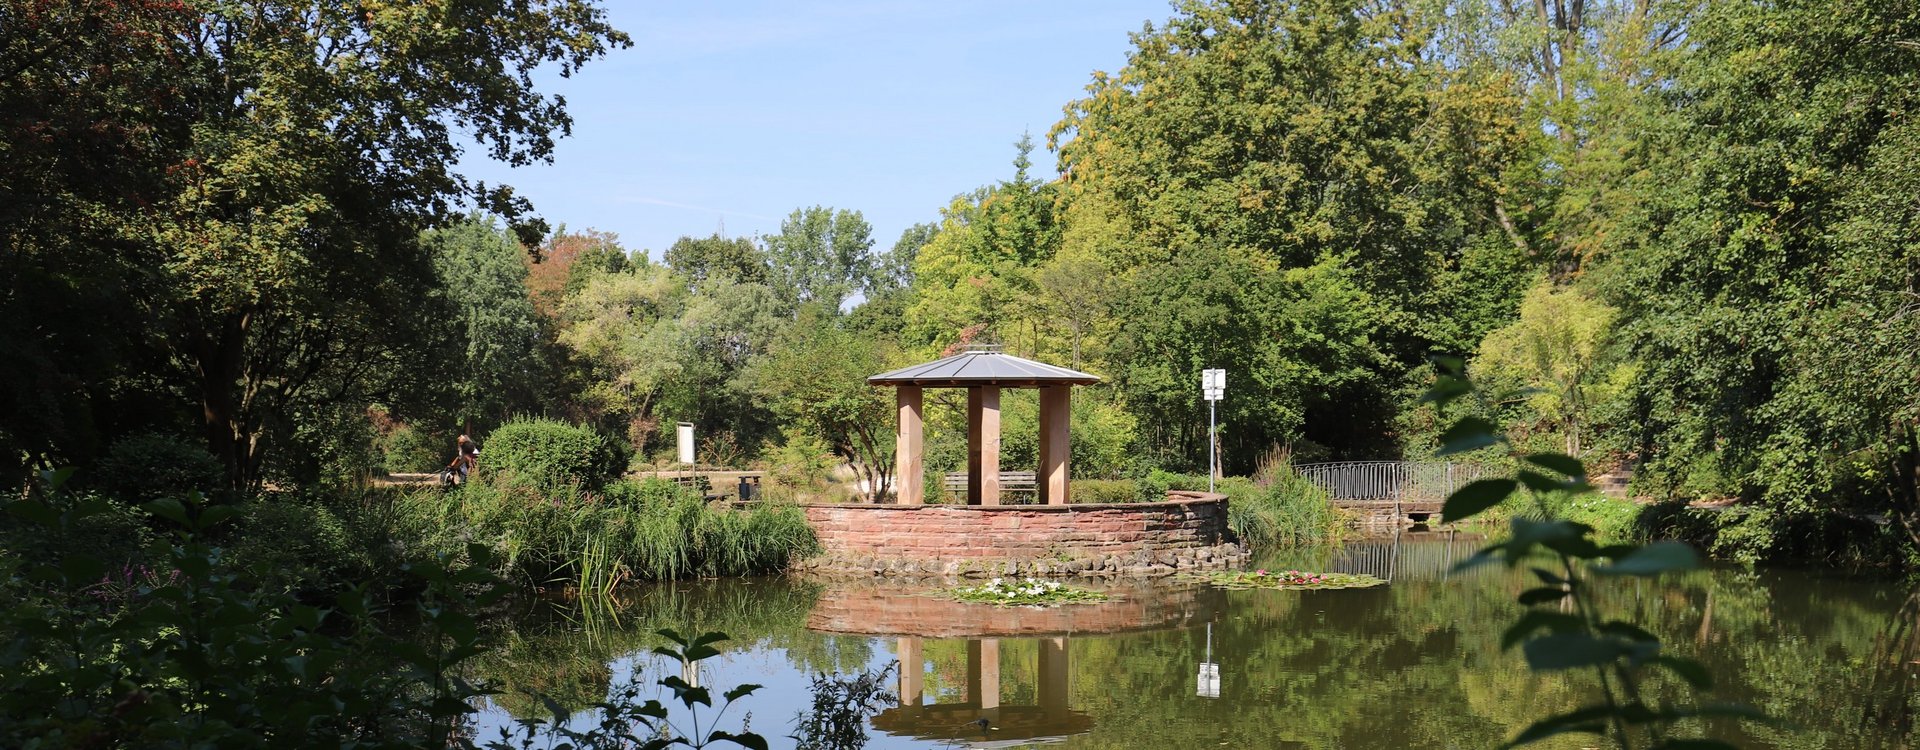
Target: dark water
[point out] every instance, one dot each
(1416, 663)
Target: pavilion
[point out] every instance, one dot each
(983, 371)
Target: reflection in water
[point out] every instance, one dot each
(979, 718)
(1416, 663)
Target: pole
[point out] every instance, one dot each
(1212, 462)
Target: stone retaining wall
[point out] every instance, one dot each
(1189, 530)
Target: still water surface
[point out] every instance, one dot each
(1415, 663)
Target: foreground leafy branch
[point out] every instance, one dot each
(1564, 626)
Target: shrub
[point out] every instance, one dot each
(1106, 491)
(1286, 510)
(111, 531)
(144, 467)
(297, 544)
(803, 460)
(550, 455)
(649, 529)
(406, 449)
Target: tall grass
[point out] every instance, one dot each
(649, 530)
(1280, 509)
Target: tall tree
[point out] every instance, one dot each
(1269, 185)
(1769, 298)
(714, 257)
(483, 274)
(821, 255)
(311, 143)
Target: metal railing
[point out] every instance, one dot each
(1391, 481)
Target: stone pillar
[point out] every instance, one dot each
(1053, 673)
(908, 651)
(908, 467)
(983, 445)
(983, 672)
(1055, 439)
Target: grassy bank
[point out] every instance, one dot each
(1280, 509)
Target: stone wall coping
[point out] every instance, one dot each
(1185, 498)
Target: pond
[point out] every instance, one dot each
(1415, 663)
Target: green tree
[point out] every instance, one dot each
(821, 255)
(815, 376)
(1556, 359)
(623, 328)
(484, 276)
(1769, 290)
(736, 258)
(304, 148)
(1275, 188)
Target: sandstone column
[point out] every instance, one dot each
(983, 445)
(908, 468)
(908, 651)
(1054, 444)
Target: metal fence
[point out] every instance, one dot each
(1391, 481)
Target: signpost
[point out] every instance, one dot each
(685, 435)
(1213, 383)
(1208, 684)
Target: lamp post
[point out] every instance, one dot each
(1213, 383)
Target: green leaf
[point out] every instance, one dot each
(560, 713)
(1628, 631)
(738, 691)
(1652, 560)
(1538, 619)
(1693, 672)
(209, 517)
(1588, 720)
(743, 739)
(1477, 496)
(35, 511)
(1468, 434)
(57, 478)
(1542, 595)
(1568, 651)
(1695, 744)
(1544, 484)
(170, 509)
(1564, 464)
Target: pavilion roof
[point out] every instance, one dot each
(983, 367)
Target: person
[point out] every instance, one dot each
(466, 455)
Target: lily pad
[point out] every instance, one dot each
(1282, 579)
(1028, 592)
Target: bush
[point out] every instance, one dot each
(651, 529)
(550, 455)
(296, 544)
(1106, 491)
(145, 467)
(406, 449)
(107, 529)
(1285, 511)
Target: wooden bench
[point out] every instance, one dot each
(1013, 484)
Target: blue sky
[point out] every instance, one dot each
(744, 111)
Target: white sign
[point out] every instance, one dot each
(1214, 384)
(686, 442)
(1209, 683)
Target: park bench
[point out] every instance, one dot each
(1014, 485)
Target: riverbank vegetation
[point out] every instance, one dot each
(1672, 233)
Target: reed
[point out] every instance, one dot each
(597, 540)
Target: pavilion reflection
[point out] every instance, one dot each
(980, 718)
